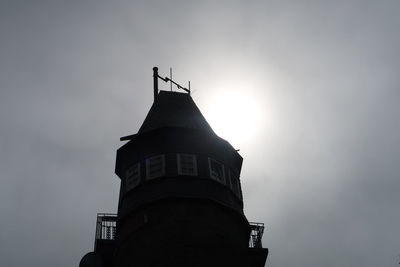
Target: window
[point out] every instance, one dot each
(235, 185)
(132, 176)
(216, 171)
(187, 164)
(155, 167)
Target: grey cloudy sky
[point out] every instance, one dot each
(322, 174)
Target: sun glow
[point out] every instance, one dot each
(235, 116)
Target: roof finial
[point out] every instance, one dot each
(155, 81)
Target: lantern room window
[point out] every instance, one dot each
(132, 176)
(187, 164)
(155, 167)
(216, 171)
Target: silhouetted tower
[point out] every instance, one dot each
(180, 200)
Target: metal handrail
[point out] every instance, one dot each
(106, 226)
(256, 233)
(106, 229)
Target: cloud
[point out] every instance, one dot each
(323, 175)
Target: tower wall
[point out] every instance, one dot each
(176, 211)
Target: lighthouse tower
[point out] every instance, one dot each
(180, 201)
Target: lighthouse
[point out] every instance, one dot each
(180, 199)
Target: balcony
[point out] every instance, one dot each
(106, 229)
(256, 233)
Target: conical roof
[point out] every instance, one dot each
(173, 109)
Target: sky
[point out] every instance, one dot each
(319, 84)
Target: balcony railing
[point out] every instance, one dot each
(257, 230)
(106, 226)
(106, 229)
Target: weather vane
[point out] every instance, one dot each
(166, 79)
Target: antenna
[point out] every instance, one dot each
(170, 77)
(166, 79)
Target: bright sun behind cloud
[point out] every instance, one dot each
(235, 116)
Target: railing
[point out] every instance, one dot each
(106, 226)
(257, 230)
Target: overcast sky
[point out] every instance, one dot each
(321, 171)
